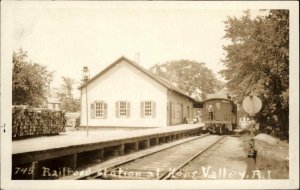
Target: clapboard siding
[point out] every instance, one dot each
(123, 82)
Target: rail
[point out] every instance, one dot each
(183, 164)
(95, 175)
(115, 171)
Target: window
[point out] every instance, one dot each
(122, 109)
(218, 105)
(99, 110)
(208, 106)
(148, 109)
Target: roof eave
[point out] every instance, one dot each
(101, 72)
(217, 99)
(139, 68)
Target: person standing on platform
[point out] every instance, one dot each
(211, 112)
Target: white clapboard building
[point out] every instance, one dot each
(127, 95)
(53, 103)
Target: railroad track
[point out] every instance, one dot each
(160, 165)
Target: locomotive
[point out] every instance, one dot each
(219, 114)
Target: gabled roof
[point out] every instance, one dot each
(158, 79)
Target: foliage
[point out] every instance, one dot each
(192, 77)
(257, 62)
(29, 81)
(69, 103)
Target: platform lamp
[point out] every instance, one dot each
(86, 76)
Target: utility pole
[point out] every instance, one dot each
(86, 76)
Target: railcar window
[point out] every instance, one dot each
(207, 106)
(218, 105)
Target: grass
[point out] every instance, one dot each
(272, 158)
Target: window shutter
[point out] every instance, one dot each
(117, 109)
(173, 110)
(128, 109)
(142, 109)
(153, 106)
(92, 111)
(104, 110)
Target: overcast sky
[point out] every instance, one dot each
(66, 38)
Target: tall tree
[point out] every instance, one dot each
(69, 103)
(29, 81)
(257, 61)
(67, 88)
(193, 77)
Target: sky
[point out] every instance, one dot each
(67, 37)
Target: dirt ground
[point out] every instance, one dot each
(229, 159)
(225, 160)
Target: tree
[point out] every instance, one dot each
(29, 81)
(257, 61)
(69, 103)
(67, 88)
(192, 77)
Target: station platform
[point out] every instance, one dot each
(72, 138)
(76, 142)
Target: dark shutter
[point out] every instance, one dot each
(92, 111)
(142, 109)
(153, 106)
(117, 109)
(173, 110)
(128, 109)
(104, 110)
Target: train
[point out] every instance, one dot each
(219, 114)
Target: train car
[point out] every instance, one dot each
(219, 114)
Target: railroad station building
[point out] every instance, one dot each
(125, 94)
